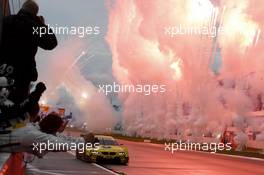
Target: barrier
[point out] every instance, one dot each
(14, 165)
(255, 144)
(3, 158)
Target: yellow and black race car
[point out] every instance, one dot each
(109, 150)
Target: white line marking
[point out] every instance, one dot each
(34, 169)
(237, 156)
(98, 166)
(226, 155)
(109, 171)
(72, 153)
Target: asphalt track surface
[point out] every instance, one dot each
(150, 159)
(63, 164)
(147, 158)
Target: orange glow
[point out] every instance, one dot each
(240, 28)
(84, 95)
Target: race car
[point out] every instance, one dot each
(109, 150)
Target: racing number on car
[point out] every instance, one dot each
(6, 70)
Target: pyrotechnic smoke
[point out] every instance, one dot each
(146, 50)
(67, 88)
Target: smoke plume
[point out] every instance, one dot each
(146, 50)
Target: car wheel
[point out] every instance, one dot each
(77, 155)
(86, 158)
(124, 161)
